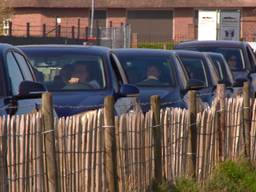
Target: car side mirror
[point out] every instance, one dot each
(195, 84)
(129, 90)
(29, 89)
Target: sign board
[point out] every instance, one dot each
(207, 24)
(230, 25)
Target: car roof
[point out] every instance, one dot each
(187, 52)
(139, 51)
(144, 51)
(212, 43)
(99, 49)
(5, 46)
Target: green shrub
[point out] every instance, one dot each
(185, 185)
(164, 187)
(156, 45)
(234, 177)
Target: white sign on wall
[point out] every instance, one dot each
(207, 25)
(230, 25)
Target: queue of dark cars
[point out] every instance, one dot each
(238, 54)
(81, 76)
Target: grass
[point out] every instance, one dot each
(156, 45)
(229, 176)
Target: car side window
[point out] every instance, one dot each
(116, 70)
(251, 57)
(15, 74)
(23, 66)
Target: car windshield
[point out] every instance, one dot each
(64, 70)
(222, 69)
(234, 56)
(148, 71)
(195, 68)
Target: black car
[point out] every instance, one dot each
(200, 71)
(164, 73)
(225, 74)
(239, 56)
(80, 77)
(19, 93)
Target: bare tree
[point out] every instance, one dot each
(5, 13)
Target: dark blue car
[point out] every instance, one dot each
(19, 93)
(202, 75)
(80, 77)
(239, 56)
(164, 73)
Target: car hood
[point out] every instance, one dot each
(169, 97)
(70, 103)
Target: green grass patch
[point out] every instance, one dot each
(233, 176)
(156, 45)
(229, 176)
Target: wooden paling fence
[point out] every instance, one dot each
(96, 151)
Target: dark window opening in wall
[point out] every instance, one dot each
(99, 19)
(151, 25)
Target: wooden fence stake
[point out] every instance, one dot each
(165, 46)
(246, 118)
(51, 162)
(3, 158)
(155, 107)
(28, 29)
(221, 117)
(134, 40)
(192, 135)
(110, 144)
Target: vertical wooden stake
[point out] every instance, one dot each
(155, 107)
(73, 32)
(51, 162)
(165, 46)
(110, 145)
(3, 157)
(44, 30)
(192, 135)
(221, 114)
(78, 29)
(246, 118)
(28, 29)
(134, 40)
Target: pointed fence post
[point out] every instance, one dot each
(221, 119)
(110, 144)
(246, 118)
(155, 107)
(49, 140)
(192, 135)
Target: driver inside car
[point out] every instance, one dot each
(80, 77)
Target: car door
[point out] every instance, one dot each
(3, 89)
(252, 61)
(122, 104)
(18, 71)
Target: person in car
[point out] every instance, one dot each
(232, 61)
(80, 77)
(153, 76)
(63, 77)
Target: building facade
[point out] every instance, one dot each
(157, 20)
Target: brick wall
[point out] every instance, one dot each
(183, 21)
(21, 17)
(183, 24)
(116, 17)
(38, 17)
(248, 24)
